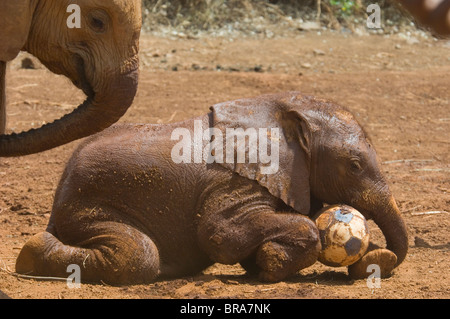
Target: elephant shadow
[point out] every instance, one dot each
(3, 295)
(421, 243)
(328, 277)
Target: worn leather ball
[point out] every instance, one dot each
(344, 235)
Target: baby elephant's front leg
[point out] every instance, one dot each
(279, 243)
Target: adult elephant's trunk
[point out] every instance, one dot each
(2, 97)
(95, 114)
(389, 220)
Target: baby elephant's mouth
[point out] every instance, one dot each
(82, 82)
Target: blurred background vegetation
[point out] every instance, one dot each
(259, 16)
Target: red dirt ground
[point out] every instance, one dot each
(398, 89)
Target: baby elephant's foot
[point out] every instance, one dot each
(116, 254)
(29, 259)
(382, 258)
(278, 262)
(272, 258)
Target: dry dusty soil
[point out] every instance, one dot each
(398, 88)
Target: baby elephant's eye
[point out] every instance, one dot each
(97, 24)
(98, 21)
(355, 166)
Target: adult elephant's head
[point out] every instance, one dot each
(324, 157)
(94, 44)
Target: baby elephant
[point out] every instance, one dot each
(237, 185)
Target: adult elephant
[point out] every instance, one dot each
(100, 57)
(432, 13)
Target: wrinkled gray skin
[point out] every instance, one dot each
(100, 58)
(126, 213)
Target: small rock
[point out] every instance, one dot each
(309, 26)
(234, 69)
(18, 207)
(318, 52)
(26, 213)
(258, 68)
(412, 40)
(306, 65)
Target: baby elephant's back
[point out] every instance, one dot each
(128, 159)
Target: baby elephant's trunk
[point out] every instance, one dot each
(389, 220)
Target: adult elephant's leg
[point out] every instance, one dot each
(2, 97)
(279, 243)
(116, 254)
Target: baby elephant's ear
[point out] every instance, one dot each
(15, 22)
(265, 140)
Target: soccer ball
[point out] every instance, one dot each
(344, 235)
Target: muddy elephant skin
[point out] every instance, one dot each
(127, 212)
